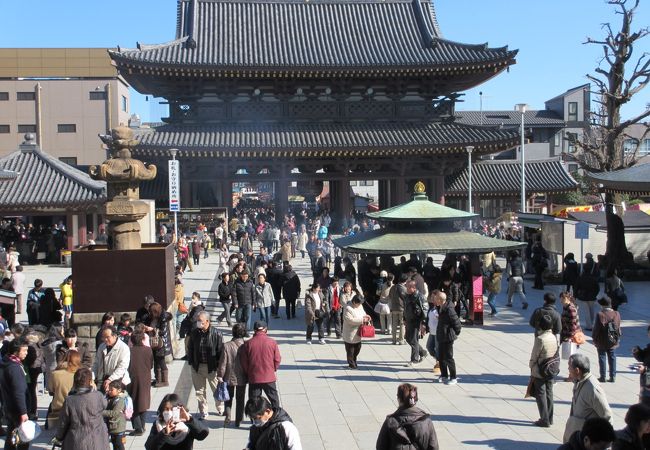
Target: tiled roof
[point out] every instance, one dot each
(420, 209)
(45, 183)
(300, 34)
(384, 242)
(503, 178)
(542, 118)
(631, 219)
(633, 180)
(345, 138)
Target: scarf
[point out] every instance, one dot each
(336, 305)
(177, 436)
(17, 360)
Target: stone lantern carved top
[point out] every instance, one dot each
(122, 173)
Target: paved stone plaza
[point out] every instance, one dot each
(337, 408)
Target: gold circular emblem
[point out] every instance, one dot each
(419, 187)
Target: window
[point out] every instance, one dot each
(573, 168)
(25, 96)
(571, 147)
(125, 104)
(645, 148)
(97, 95)
(573, 112)
(4, 96)
(69, 160)
(67, 128)
(27, 128)
(630, 146)
(353, 183)
(5, 129)
(366, 183)
(558, 139)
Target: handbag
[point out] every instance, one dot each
(182, 308)
(367, 330)
(221, 394)
(578, 338)
(155, 340)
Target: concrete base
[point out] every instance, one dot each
(117, 280)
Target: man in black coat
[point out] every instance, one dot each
(274, 277)
(290, 290)
(243, 297)
(204, 350)
(13, 388)
(548, 308)
(414, 317)
(449, 328)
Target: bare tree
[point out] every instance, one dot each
(620, 76)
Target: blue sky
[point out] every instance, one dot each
(548, 33)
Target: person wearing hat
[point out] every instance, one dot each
(383, 308)
(607, 337)
(545, 347)
(260, 360)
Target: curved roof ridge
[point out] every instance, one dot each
(71, 172)
(518, 162)
(485, 46)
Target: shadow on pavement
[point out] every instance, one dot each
(508, 444)
(481, 420)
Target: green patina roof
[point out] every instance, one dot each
(421, 209)
(384, 242)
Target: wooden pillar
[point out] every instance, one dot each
(340, 200)
(71, 229)
(281, 199)
(186, 194)
(384, 194)
(82, 229)
(226, 193)
(398, 191)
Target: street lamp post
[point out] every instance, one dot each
(174, 204)
(469, 148)
(521, 107)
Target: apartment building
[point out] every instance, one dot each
(65, 96)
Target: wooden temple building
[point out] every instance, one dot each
(306, 91)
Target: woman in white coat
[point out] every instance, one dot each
(353, 317)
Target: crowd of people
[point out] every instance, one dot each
(94, 396)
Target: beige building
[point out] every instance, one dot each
(66, 96)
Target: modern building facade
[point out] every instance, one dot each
(339, 90)
(550, 147)
(65, 96)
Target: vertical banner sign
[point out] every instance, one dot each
(174, 186)
(477, 296)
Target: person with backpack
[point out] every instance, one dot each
(414, 318)
(115, 413)
(409, 426)
(545, 349)
(607, 336)
(588, 399)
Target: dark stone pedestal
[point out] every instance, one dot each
(118, 280)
